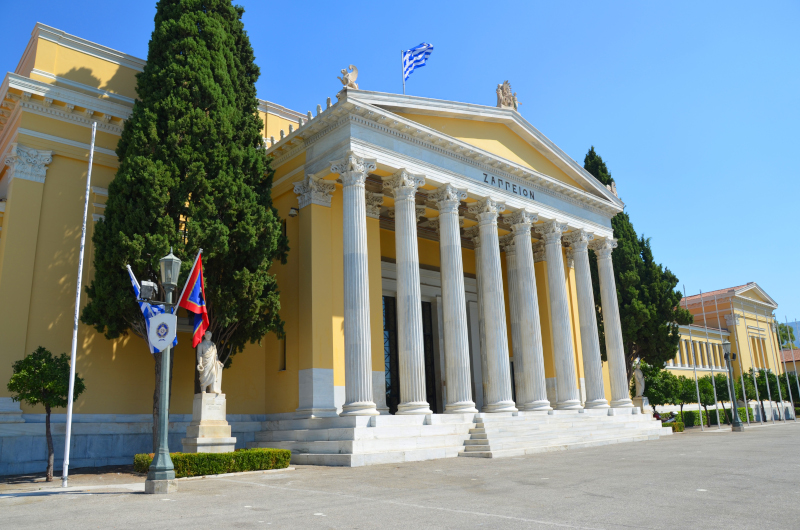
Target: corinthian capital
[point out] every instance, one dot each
(312, 190)
(539, 253)
(521, 221)
(374, 202)
(603, 247)
(27, 163)
(403, 185)
(487, 210)
(579, 240)
(551, 231)
(447, 198)
(507, 244)
(353, 169)
(473, 233)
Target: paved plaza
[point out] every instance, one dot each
(690, 480)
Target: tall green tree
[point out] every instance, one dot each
(787, 336)
(40, 378)
(193, 174)
(649, 304)
(660, 386)
(686, 392)
(706, 386)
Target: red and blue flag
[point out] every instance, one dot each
(193, 299)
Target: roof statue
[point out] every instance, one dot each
(348, 79)
(505, 98)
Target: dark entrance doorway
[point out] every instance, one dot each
(390, 354)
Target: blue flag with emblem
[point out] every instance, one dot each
(415, 58)
(148, 310)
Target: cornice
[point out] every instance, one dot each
(110, 95)
(269, 107)
(72, 42)
(344, 112)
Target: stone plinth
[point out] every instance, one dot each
(209, 431)
(642, 403)
(10, 411)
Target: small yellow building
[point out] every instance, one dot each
(742, 315)
(439, 256)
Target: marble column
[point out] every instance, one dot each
(507, 246)
(531, 386)
(410, 348)
(474, 234)
(615, 351)
(561, 327)
(590, 340)
(497, 385)
(454, 305)
(353, 171)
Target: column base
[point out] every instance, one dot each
(622, 403)
(359, 408)
(413, 407)
(542, 405)
(303, 414)
(160, 487)
(502, 406)
(570, 404)
(596, 404)
(462, 407)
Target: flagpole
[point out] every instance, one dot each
(403, 70)
(73, 354)
(194, 264)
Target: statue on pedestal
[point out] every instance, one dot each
(209, 366)
(638, 378)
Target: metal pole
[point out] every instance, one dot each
(161, 468)
(777, 330)
(74, 352)
(403, 69)
(762, 349)
(752, 363)
(739, 356)
(794, 362)
(777, 367)
(708, 346)
(694, 365)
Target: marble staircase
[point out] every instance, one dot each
(525, 433)
(358, 441)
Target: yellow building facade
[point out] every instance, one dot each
(742, 315)
(439, 258)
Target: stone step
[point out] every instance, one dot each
(525, 427)
(535, 440)
(557, 447)
(403, 431)
(365, 446)
(388, 457)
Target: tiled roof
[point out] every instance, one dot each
(717, 292)
(790, 355)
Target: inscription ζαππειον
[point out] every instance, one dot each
(506, 185)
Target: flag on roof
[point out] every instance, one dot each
(148, 310)
(415, 58)
(193, 299)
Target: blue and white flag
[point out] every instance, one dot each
(415, 58)
(148, 310)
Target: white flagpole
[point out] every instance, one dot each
(403, 70)
(175, 307)
(65, 466)
(694, 365)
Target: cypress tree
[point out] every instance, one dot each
(649, 305)
(193, 174)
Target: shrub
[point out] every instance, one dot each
(197, 464)
(677, 426)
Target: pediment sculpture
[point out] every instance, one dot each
(348, 79)
(506, 99)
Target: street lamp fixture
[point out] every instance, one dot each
(161, 475)
(737, 425)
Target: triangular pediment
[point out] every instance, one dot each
(503, 133)
(753, 291)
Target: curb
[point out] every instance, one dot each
(240, 473)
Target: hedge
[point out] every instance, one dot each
(677, 426)
(197, 464)
(692, 419)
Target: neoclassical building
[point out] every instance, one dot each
(439, 272)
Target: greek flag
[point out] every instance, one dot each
(415, 58)
(148, 310)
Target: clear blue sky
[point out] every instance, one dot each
(694, 106)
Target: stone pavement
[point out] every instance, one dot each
(690, 480)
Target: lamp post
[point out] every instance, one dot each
(736, 426)
(161, 476)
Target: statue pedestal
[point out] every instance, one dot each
(642, 403)
(209, 431)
